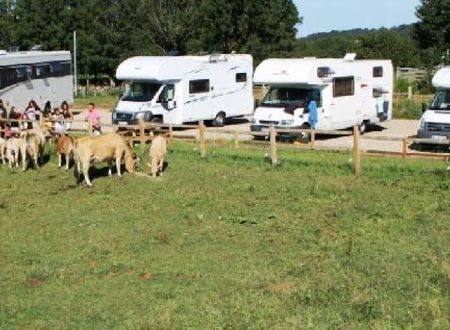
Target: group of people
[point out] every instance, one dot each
(59, 120)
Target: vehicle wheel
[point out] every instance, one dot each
(363, 127)
(219, 121)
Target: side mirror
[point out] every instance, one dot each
(424, 107)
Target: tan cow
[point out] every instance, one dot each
(30, 148)
(64, 146)
(103, 148)
(13, 146)
(158, 150)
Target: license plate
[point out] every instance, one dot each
(264, 129)
(123, 123)
(438, 137)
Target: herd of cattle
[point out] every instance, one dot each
(109, 148)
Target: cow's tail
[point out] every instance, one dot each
(77, 161)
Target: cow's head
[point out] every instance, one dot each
(130, 162)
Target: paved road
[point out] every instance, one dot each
(395, 128)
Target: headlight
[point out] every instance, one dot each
(287, 122)
(422, 124)
(140, 115)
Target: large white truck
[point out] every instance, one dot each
(180, 89)
(45, 77)
(347, 92)
(435, 121)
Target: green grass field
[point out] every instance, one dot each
(227, 242)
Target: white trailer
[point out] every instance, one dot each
(180, 89)
(347, 92)
(45, 77)
(435, 121)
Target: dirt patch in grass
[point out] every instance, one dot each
(281, 287)
(146, 276)
(34, 282)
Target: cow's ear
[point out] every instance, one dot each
(134, 156)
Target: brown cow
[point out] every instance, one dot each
(103, 148)
(64, 146)
(158, 150)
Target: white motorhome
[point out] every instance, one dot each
(347, 92)
(45, 77)
(180, 89)
(435, 121)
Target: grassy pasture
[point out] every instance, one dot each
(228, 242)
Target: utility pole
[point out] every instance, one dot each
(75, 78)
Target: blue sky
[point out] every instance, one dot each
(327, 15)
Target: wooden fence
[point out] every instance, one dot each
(143, 133)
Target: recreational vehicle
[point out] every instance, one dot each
(180, 89)
(435, 121)
(42, 76)
(346, 92)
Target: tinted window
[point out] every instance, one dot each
(343, 86)
(241, 77)
(378, 71)
(199, 86)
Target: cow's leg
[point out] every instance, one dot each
(67, 161)
(85, 166)
(36, 162)
(154, 167)
(23, 155)
(110, 165)
(59, 160)
(118, 161)
(161, 166)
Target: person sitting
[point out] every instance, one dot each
(14, 115)
(58, 122)
(67, 114)
(93, 117)
(32, 112)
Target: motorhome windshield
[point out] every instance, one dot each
(284, 96)
(141, 91)
(441, 101)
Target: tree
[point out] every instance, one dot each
(6, 22)
(260, 27)
(433, 29)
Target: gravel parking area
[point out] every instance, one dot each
(394, 128)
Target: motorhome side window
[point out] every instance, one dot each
(168, 94)
(344, 86)
(378, 71)
(199, 86)
(241, 77)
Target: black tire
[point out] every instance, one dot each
(156, 120)
(363, 127)
(219, 121)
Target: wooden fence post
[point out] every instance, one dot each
(201, 139)
(142, 134)
(405, 148)
(273, 146)
(356, 151)
(410, 92)
(170, 134)
(313, 138)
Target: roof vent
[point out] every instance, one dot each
(3, 52)
(350, 57)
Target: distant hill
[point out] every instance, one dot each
(405, 29)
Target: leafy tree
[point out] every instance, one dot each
(433, 29)
(260, 27)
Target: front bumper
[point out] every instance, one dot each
(427, 134)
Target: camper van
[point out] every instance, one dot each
(346, 92)
(435, 121)
(45, 77)
(180, 89)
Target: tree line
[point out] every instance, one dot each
(109, 31)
